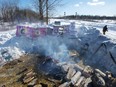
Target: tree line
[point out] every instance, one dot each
(88, 17)
(10, 10)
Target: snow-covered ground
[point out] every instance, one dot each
(95, 48)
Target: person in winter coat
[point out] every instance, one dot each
(105, 29)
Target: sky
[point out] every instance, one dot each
(81, 7)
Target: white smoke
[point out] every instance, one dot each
(54, 47)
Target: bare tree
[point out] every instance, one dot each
(46, 11)
(8, 9)
(45, 8)
(41, 9)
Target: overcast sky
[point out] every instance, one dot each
(82, 7)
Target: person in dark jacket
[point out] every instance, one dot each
(105, 29)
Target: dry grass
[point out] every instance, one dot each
(10, 75)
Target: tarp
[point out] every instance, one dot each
(43, 31)
(30, 32)
(24, 31)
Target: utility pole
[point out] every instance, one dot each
(76, 15)
(65, 15)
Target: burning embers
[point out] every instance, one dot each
(48, 67)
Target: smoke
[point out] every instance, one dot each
(54, 47)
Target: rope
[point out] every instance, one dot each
(112, 57)
(97, 50)
(103, 44)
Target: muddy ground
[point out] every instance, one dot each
(12, 74)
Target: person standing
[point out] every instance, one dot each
(105, 29)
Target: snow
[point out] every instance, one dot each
(92, 45)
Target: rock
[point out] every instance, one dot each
(76, 77)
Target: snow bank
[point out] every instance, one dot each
(95, 49)
(7, 50)
(91, 45)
